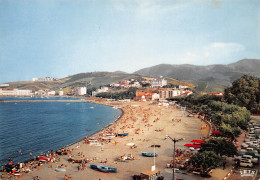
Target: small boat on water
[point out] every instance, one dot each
(103, 168)
(122, 134)
(148, 154)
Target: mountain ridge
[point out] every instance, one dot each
(208, 78)
(218, 73)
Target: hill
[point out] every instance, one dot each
(207, 78)
(91, 79)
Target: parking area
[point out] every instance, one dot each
(246, 164)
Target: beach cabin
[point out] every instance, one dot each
(150, 175)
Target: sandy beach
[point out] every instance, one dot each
(146, 124)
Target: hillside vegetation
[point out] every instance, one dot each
(215, 77)
(91, 80)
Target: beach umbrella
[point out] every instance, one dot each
(197, 141)
(192, 145)
(216, 132)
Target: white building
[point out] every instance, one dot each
(40, 93)
(102, 89)
(7, 92)
(16, 92)
(136, 84)
(157, 83)
(51, 93)
(4, 85)
(168, 93)
(44, 79)
(81, 91)
(61, 93)
(155, 96)
(115, 85)
(183, 87)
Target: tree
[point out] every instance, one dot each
(206, 160)
(129, 94)
(245, 91)
(228, 131)
(220, 146)
(90, 90)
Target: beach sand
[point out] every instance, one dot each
(147, 118)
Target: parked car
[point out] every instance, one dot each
(245, 163)
(254, 143)
(248, 139)
(252, 150)
(249, 157)
(245, 145)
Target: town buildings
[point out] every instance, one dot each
(15, 92)
(158, 83)
(45, 79)
(4, 85)
(81, 91)
(51, 93)
(101, 90)
(61, 93)
(141, 96)
(173, 92)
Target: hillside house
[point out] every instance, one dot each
(158, 83)
(101, 90)
(45, 79)
(141, 96)
(216, 94)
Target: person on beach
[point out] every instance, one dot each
(65, 177)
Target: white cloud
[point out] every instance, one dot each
(149, 7)
(225, 46)
(215, 52)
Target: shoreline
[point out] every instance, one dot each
(139, 111)
(73, 143)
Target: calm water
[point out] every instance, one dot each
(43, 126)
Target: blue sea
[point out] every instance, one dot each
(39, 127)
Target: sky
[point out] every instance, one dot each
(58, 38)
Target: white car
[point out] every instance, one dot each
(251, 158)
(252, 149)
(245, 163)
(254, 143)
(249, 139)
(244, 145)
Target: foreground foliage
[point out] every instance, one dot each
(220, 146)
(245, 91)
(206, 160)
(129, 94)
